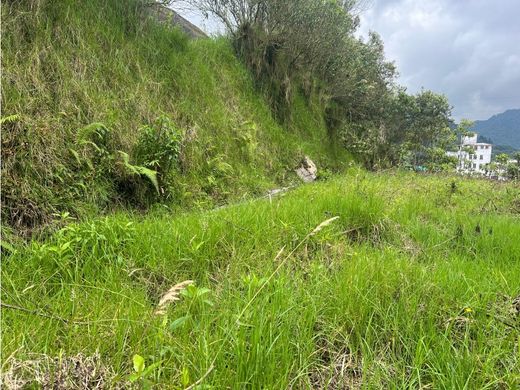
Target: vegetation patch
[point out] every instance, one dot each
(63, 372)
(282, 296)
(107, 109)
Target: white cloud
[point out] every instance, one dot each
(469, 50)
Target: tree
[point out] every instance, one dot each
(309, 45)
(502, 158)
(284, 42)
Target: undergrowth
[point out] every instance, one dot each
(409, 282)
(87, 88)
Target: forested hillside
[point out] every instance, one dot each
(502, 129)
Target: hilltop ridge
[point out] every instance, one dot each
(502, 129)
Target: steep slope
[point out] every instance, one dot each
(502, 129)
(83, 84)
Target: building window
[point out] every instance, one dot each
(474, 165)
(482, 157)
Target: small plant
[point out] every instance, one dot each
(197, 298)
(197, 295)
(138, 170)
(9, 119)
(141, 372)
(172, 295)
(95, 134)
(159, 146)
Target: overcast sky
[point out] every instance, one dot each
(466, 49)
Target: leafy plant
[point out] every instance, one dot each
(159, 146)
(9, 119)
(197, 299)
(95, 134)
(139, 170)
(197, 295)
(141, 372)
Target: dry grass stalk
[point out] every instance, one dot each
(65, 372)
(171, 295)
(323, 225)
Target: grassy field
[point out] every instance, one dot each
(412, 286)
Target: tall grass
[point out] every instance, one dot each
(401, 291)
(69, 64)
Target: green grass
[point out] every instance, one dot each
(69, 64)
(411, 287)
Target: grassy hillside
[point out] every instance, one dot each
(412, 286)
(388, 280)
(84, 82)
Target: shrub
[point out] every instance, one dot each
(158, 148)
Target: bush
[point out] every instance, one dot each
(158, 148)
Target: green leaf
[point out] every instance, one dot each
(179, 322)
(139, 170)
(6, 246)
(9, 119)
(185, 377)
(152, 367)
(151, 175)
(76, 155)
(138, 363)
(98, 129)
(203, 291)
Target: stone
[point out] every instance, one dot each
(307, 171)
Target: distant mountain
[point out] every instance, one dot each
(502, 129)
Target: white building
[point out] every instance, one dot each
(472, 156)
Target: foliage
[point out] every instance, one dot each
(80, 81)
(141, 372)
(140, 170)
(506, 167)
(411, 131)
(415, 283)
(158, 146)
(312, 46)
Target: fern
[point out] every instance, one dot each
(10, 119)
(96, 133)
(140, 170)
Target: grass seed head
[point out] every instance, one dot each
(171, 295)
(323, 225)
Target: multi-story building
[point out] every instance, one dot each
(473, 156)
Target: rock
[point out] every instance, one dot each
(307, 171)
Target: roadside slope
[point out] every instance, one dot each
(83, 86)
